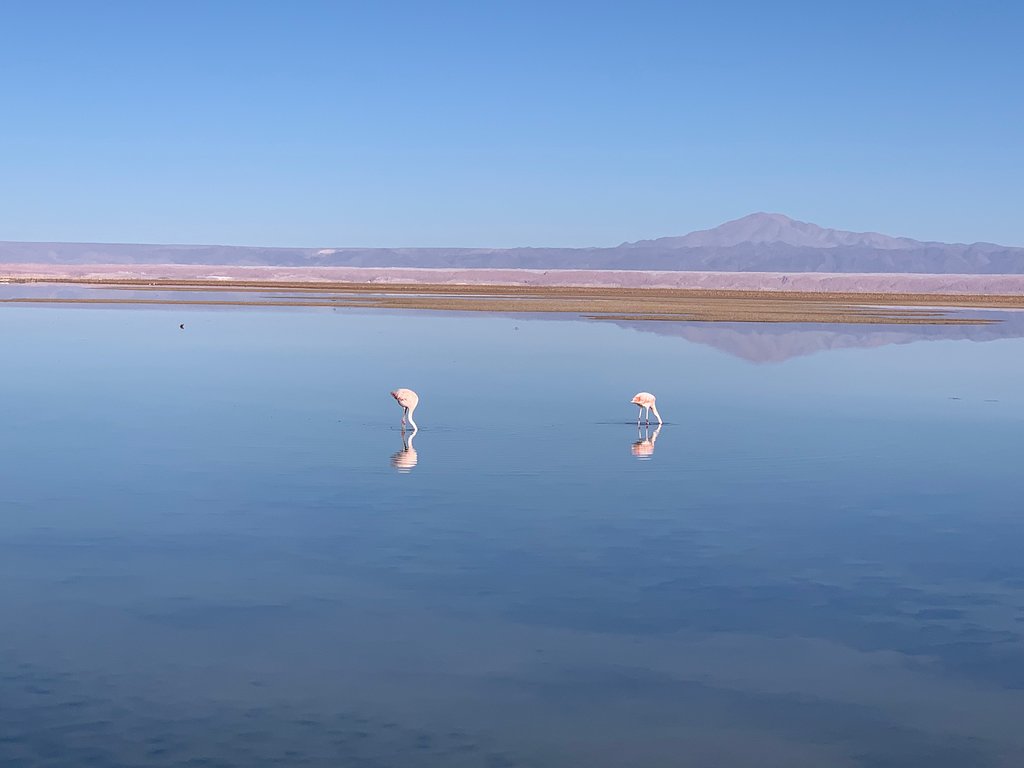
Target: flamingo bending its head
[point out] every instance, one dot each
(408, 400)
(645, 400)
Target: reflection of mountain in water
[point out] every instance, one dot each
(776, 342)
(754, 342)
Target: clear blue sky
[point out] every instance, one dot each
(519, 123)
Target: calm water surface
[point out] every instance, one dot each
(216, 550)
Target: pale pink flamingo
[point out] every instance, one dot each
(645, 400)
(408, 400)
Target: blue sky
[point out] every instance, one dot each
(495, 124)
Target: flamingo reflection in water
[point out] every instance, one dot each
(405, 459)
(643, 448)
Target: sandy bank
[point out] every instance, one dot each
(605, 303)
(807, 282)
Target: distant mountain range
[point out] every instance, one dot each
(760, 242)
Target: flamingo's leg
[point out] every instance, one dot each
(639, 415)
(404, 411)
(648, 415)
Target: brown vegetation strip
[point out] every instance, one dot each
(661, 304)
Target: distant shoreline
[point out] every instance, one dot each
(970, 287)
(603, 296)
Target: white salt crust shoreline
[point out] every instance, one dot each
(811, 282)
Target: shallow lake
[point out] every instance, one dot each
(217, 549)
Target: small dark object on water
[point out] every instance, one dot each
(182, 326)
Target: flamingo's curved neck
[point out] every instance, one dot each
(408, 415)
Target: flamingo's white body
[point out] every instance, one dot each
(645, 400)
(408, 400)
